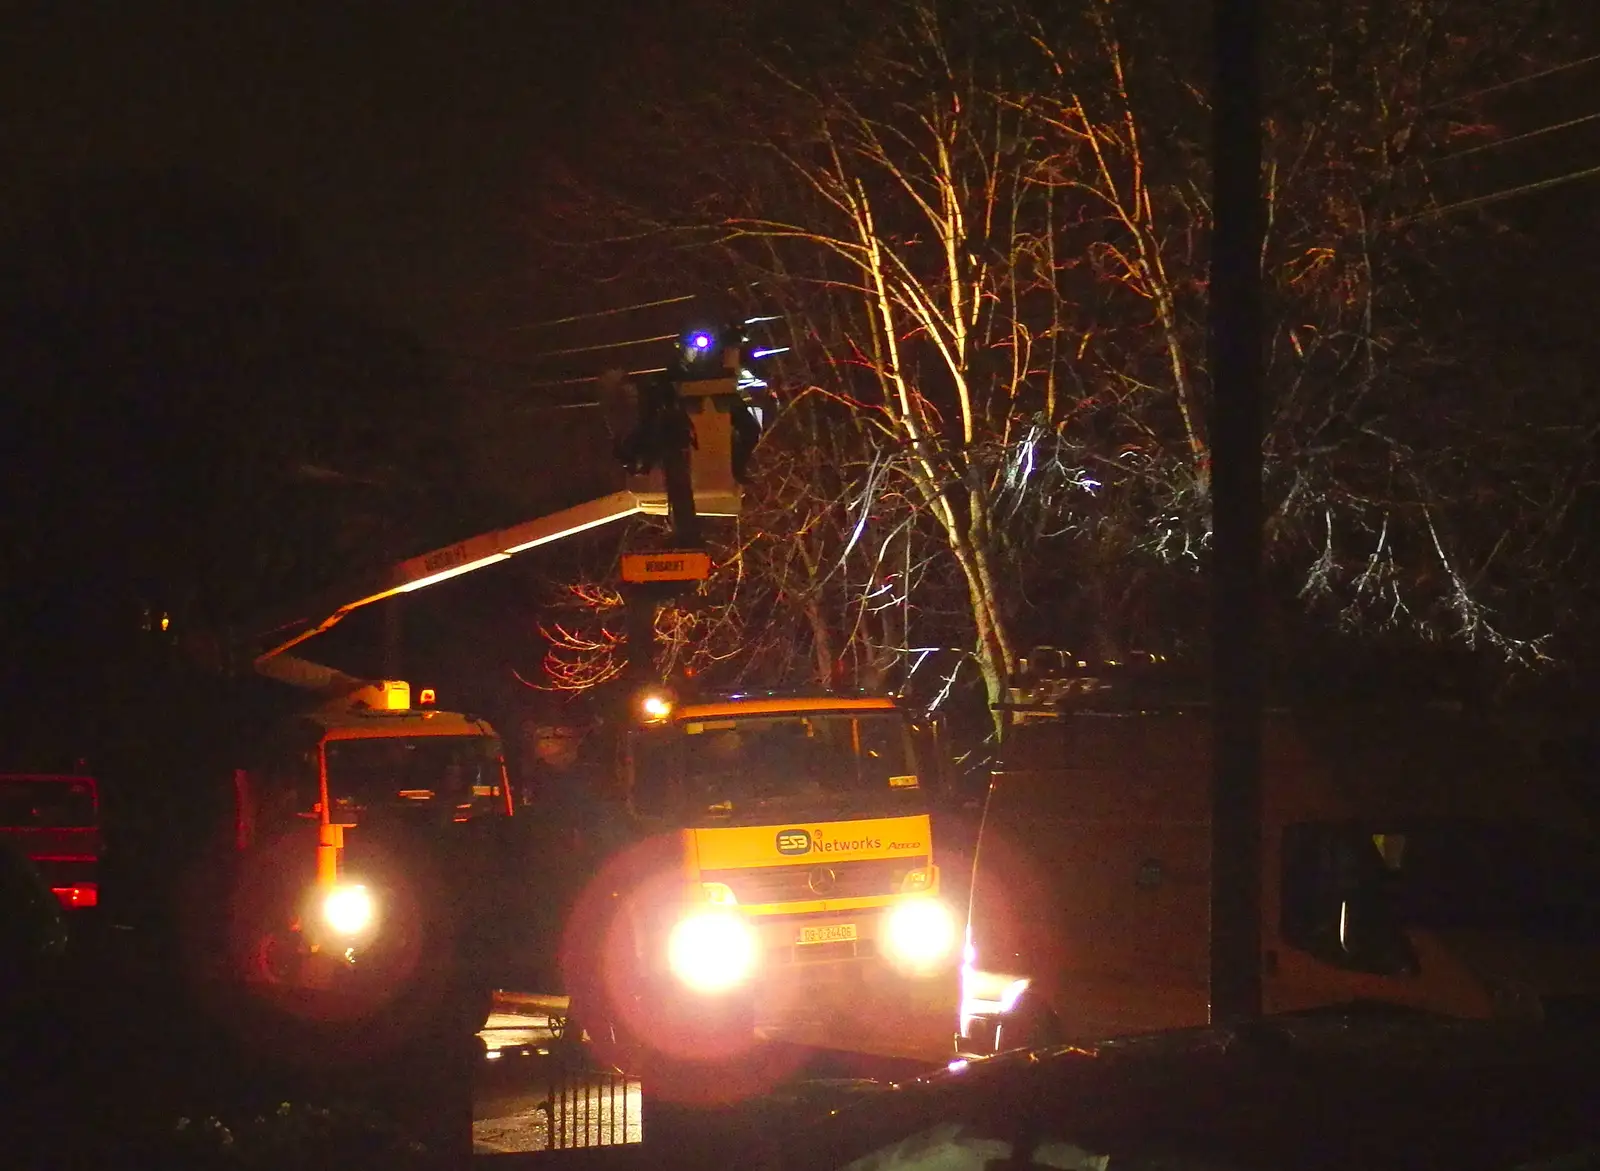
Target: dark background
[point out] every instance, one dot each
(263, 267)
(267, 277)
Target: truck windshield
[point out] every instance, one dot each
(457, 777)
(854, 763)
(46, 803)
(1475, 875)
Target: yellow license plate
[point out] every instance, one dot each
(834, 933)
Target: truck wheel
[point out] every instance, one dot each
(271, 958)
(480, 1007)
(593, 1037)
(1031, 1024)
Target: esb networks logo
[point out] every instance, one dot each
(794, 841)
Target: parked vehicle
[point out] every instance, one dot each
(33, 932)
(1408, 858)
(777, 860)
(55, 820)
(369, 859)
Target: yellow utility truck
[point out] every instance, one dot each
(780, 870)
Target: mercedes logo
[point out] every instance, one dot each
(821, 880)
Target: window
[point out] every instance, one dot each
(814, 763)
(454, 776)
(46, 803)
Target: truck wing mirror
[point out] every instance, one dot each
(1337, 901)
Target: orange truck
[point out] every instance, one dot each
(55, 820)
(367, 843)
(362, 815)
(1409, 860)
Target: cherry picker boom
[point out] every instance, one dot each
(685, 453)
(405, 797)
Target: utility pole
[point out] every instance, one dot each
(393, 636)
(1236, 428)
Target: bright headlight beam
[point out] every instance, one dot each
(712, 951)
(919, 934)
(348, 910)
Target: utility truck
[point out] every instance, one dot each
(778, 873)
(769, 854)
(376, 868)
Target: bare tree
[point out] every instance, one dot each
(985, 231)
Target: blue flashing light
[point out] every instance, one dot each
(700, 341)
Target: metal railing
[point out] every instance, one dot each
(593, 1108)
(564, 1102)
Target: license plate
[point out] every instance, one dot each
(834, 933)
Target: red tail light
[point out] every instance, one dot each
(83, 894)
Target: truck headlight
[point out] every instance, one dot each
(712, 950)
(655, 706)
(348, 910)
(919, 934)
(720, 894)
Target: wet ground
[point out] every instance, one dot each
(125, 1054)
(526, 1099)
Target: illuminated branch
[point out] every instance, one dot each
(990, 270)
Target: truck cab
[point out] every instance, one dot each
(370, 851)
(791, 867)
(1409, 859)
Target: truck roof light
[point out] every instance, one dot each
(385, 695)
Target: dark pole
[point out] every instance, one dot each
(639, 607)
(1235, 360)
(393, 636)
(642, 601)
(680, 496)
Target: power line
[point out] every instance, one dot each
(1554, 69)
(581, 378)
(638, 341)
(586, 378)
(583, 404)
(606, 312)
(1507, 193)
(1483, 146)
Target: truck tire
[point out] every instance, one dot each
(479, 1008)
(1031, 1024)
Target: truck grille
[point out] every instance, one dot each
(794, 883)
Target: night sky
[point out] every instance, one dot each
(403, 145)
(409, 146)
(403, 140)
